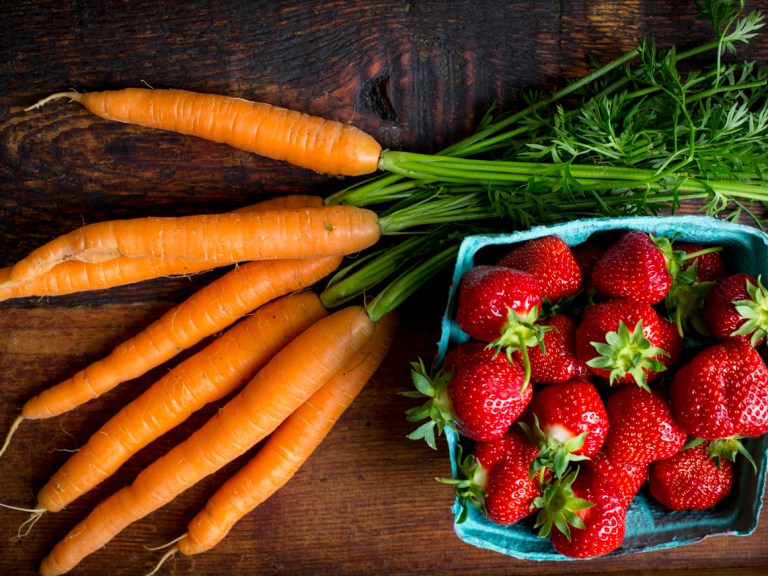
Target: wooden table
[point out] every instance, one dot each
(416, 75)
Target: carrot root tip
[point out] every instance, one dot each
(71, 94)
(167, 544)
(13, 429)
(165, 558)
(26, 527)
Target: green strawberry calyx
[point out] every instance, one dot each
(554, 453)
(685, 300)
(728, 448)
(676, 258)
(518, 333)
(755, 310)
(627, 352)
(469, 484)
(437, 408)
(558, 507)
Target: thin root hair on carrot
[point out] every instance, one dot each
(57, 96)
(167, 544)
(164, 559)
(13, 428)
(25, 527)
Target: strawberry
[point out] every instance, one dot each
(500, 306)
(587, 254)
(494, 478)
(568, 422)
(691, 479)
(672, 342)
(593, 505)
(478, 392)
(643, 428)
(491, 298)
(556, 360)
(551, 261)
(736, 308)
(619, 340)
(510, 488)
(628, 478)
(721, 395)
(708, 263)
(694, 269)
(491, 452)
(636, 267)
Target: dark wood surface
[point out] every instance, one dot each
(416, 75)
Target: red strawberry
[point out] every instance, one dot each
(568, 422)
(473, 470)
(557, 362)
(587, 254)
(492, 452)
(599, 528)
(510, 489)
(643, 428)
(671, 342)
(489, 296)
(501, 305)
(709, 264)
(736, 308)
(494, 478)
(691, 479)
(722, 393)
(635, 267)
(628, 478)
(609, 342)
(551, 261)
(478, 392)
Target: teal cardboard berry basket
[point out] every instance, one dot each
(650, 526)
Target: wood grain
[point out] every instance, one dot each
(415, 74)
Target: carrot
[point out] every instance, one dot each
(322, 145)
(232, 237)
(216, 371)
(292, 376)
(288, 447)
(206, 312)
(73, 276)
(70, 277)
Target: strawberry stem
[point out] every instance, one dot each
(729, 448)
(755, 311)
(437, 408)
(518, 333)
(626, 352)
(553, 453)
(469, 484)
(558, 507)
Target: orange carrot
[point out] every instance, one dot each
(206, 312)
(292, 376)
(73, 276)
(211, 374)
(288, 447)
(231, 237)
(322, 145)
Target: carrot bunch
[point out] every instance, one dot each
(293, 359)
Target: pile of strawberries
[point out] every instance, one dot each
(593, 370)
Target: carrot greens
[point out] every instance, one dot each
(642, 135)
